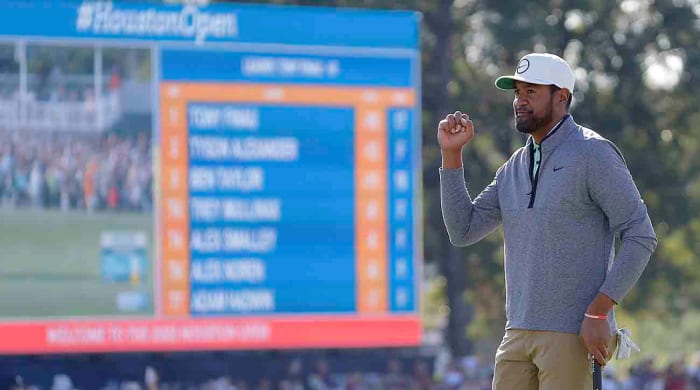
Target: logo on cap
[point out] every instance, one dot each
(523, 66)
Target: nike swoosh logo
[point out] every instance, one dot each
(557, 168)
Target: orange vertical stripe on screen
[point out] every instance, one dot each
(173, 204)
(370, 208)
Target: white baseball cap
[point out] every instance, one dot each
(540, 68)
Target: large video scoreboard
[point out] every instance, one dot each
(286, 165)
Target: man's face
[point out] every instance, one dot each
(532, 106)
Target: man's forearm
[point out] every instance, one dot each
(628, 266)
(451, 159)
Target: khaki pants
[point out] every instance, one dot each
(537, 360)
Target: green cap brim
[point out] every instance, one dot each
(505, 82)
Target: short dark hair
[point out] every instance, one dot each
(553, 88)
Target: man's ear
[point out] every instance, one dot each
(564, 95)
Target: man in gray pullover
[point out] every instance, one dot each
(562, 198)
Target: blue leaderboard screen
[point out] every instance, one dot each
(286, 164)
(301, 177)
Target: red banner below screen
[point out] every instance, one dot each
(208, 334)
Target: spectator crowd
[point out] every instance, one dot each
(76, 172)
(398, 374)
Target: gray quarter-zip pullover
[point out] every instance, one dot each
(559, 227)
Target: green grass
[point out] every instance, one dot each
(50, 262)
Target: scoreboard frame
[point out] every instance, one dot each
(225, 27)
